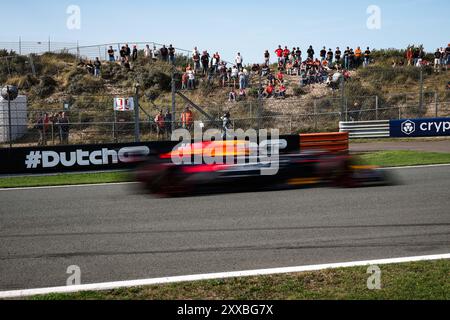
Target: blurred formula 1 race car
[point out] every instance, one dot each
(162, 176)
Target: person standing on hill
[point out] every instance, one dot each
(337, 55)
(267, 58)
(127, 52)
(134, 55)
(164, 53)
(64, 128)
(367, 54)
(323, 54)
(205, 62)
(279, 53)
(171, 54)
(239, 60)
(147, 53)
(358, 56)
(187, 119)
(447, 56)
(159, 121)
(196, 59)
(97, 67)
(437, 60)
(409, 56)
(298, 55)
(111, 54)
(310, 53)
(330, 57)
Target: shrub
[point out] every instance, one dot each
(85, 84)
(298, 91)
(46, 87)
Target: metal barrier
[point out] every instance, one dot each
(334, 142)
(366, 129)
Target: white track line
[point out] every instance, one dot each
(129, 183)
(211, 276)
(417, 167)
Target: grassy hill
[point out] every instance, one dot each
(50, 80)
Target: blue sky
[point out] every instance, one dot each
(231, 26)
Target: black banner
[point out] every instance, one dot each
(77, 158)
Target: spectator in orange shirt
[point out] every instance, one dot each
(187, 119)
(410, 56)
(159, 121)
(358, 56)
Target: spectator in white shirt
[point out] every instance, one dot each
(239, 60)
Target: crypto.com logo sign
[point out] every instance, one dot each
(374, 20)
(259, 148)
(74, 19)
(408, 127)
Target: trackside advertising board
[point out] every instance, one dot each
(431, 127)
(73, 158)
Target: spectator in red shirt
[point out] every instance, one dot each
(280, 76)
(279, 53)
(269, 91)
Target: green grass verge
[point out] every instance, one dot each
(64, 179)
(418, 281)
(404, 158)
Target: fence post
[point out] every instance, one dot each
(343, 106)
(20, 45)
(376, 107)
(174, 103)
(421, 90)
(436, 103)
(315, 114)
(136, 115)
(260, 102)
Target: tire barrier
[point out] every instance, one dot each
(333, 142)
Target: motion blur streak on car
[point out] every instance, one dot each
(161, 176)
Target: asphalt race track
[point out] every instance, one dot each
(113, 234)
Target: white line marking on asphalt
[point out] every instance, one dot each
(211, 276)
(417, 167)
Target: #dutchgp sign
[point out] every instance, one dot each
(123, 104)
(432, 127)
